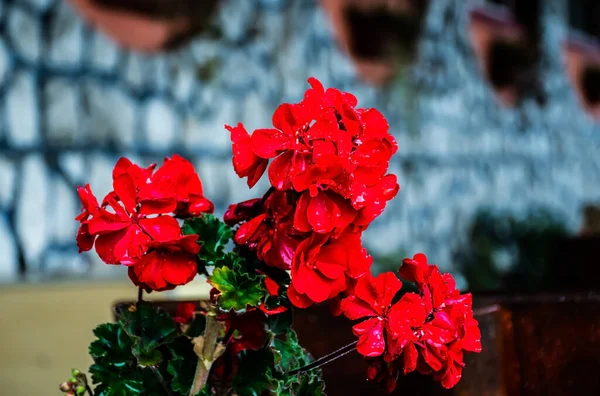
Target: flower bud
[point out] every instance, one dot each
(71, 393)
(73, 380)
(80, 390)
(65, 386)
(75, 372)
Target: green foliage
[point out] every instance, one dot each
(239, 287)
(115, 370)
(267, 370)
(279, 323)
(508, 253)
(213, 236)
(182, 365)
(149, 328)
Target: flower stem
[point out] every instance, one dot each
(206, 356)
(89, 390)
(326, 359)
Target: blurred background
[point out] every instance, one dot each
(495, 105)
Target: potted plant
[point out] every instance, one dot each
(297, 246)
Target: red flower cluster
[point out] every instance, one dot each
(329, 182)
(135, 225)
(427, 331)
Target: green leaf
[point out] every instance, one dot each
(255, 373)
(121, 387)
(279, 323)
(182, 365)
(148, 327)
(116, 371)
(289, 355)
(266, 370)
(237, 290)
(213, 236)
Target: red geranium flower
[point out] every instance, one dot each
(336, 156)
(321, 265)
(166, 264)
(134, 214)
(372, 299)
(122, 237)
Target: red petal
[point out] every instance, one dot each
(122, 247)
(161, 228)
(297, 299)
(354, 308)
(387, 286)
(415, 269)
(85, 241)
(271, 286)
(410, 358)
(268, 143)
(300, 215)
(371, 342)
(248, 230)
(148, 271)
(280, 169)
(316, 287)
(322, 213)
(184, 312)
(160, 206)
(179, 268)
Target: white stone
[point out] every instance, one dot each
(236, 17)
(184, 82)
(61, 265)
(135, 70)
(31, 210)
(111, 114)
(100, 174)
(212, 128)
(7, 181)
(214, 180)
(192, 133)
(22, 111)
(4, 62)
(74, 166)
(62, 225)
(160, 76)
(160, 124)
(61, 111)
(40, 5)
(66, 36)
(105, 53)
(9, 262)
(24, 32)
(256, 114)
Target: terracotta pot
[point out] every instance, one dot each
(505, 40)
(148, 26)
(376, 33)
(582, 63)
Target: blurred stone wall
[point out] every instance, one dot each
(72, 102)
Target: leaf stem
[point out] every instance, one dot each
(326, 359)
(161, 380)
(89, 390)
